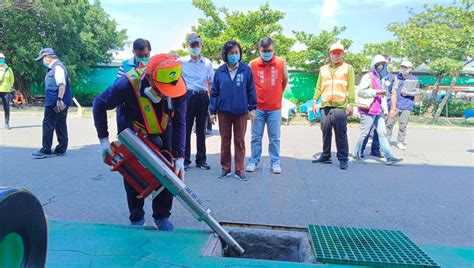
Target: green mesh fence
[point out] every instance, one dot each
(300, 88)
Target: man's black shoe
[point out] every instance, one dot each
(186, 167)
(59, 153)
(204, 166)
(41, 155)
(376, 154)
(343, 165)
(323, 160)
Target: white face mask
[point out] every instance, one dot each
(196, 51)
(405, 71)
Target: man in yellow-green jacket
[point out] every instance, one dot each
(335, 87)
(6, 86)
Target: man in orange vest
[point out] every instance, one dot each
(336, 83)
(271, 77)
(154, 100)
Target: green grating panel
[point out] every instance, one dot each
(370, 247)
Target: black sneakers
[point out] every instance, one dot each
(393, 160)
(343, 165)
(204, 166)
(323, 160)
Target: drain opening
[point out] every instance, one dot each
(290, 246)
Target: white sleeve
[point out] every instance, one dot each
(210, 76)
(59, 75)
(365, 90)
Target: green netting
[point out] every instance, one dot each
(301, 87)
(95, 81)
(461, 81)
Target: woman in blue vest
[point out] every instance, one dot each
(57, 99)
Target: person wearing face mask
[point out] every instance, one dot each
(336, 88)
(402, 104)
(233, 100)
(158, 86)
(372, 89)
(387, 81)
(7, 80)
(271, 77)
(197, 74)
(141, 55)
(57, 99)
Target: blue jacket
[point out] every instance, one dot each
(233, 96)
(121, 93)
(52, 90)
(404, 102)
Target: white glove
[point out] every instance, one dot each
(179, 167)
(105, 148)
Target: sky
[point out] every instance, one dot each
(165, 22)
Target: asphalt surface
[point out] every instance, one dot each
(429, 196)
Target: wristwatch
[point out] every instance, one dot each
(59, 98)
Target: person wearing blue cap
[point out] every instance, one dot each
(56, 102)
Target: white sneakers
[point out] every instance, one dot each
(276, 169)
(401, 146)
(251, 167)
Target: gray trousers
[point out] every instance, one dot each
(403, 116)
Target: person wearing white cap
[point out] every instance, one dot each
(6, 86)
(336, 87)
(402, 103)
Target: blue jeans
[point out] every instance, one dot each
(366, 123)
(375, 147)
(273, 121)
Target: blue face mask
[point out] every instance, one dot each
(46, 64)
(195, 51)
(382, 70)
(144, 60)
(233, 59)
(266, 56)
(2, 61)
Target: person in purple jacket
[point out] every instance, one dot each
(372, 88)
(160, 87)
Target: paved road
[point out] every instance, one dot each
(430, 196)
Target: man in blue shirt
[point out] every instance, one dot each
(141, 54)
(198, 75)
(402, 103)
(160, 87)
(57, 99)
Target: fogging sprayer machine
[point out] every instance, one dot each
(145, 168)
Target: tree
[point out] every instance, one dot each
(81, 34)
(391, 48)
(436, 36)
(221, 25)
(445, 67)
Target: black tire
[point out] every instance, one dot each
(22, 213)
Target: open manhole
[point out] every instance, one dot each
(265, 243)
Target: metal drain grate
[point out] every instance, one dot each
(372, 247)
